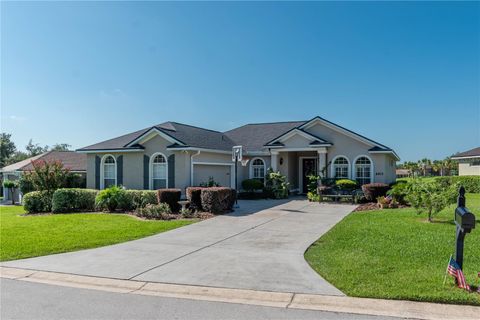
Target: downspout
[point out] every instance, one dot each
(191, 166)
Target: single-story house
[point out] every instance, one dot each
(402, 173)
(74, 161)
(177, 155)
(468, 162)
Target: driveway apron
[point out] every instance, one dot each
(260, 246)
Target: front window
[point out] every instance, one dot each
(340, 168)
(258, 169)
(109, 176)
(159, 172)
(363, 170)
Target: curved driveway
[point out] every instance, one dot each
(259, 247)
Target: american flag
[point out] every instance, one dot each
(454, 270)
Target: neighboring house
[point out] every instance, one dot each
(468, 162)
(402, 173)
(75, 162)
(177, 155)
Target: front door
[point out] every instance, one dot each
(309, 167)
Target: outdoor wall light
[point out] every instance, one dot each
(281, 161)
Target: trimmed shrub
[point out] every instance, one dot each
(37, 201)
(149, 197)
(195, 198)
(170, 197)
(232, 199)
(250, 185)
(346, 184)
(154, 211)
(252, 195)
(110, 199)
(374, 190)
(217, 200)
(73, 200)
(134, 199)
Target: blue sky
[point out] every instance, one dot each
(404, 74)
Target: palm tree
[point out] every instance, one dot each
(412, 167)
(437, 166)
(424, 163)
(449, 164)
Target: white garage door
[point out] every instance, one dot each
(202, 173)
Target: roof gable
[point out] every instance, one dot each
(153, 132)
(295, 132)
(318, 120)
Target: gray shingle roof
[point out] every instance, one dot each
(255, 135)
(475, 152)
(188, 135)
(73, 161)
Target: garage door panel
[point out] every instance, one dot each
(202, 173)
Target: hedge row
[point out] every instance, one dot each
(470, 183)
(216, 200)
(84, 200)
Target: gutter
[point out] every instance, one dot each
(191, 166)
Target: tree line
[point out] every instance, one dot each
(426, 167)
(10, 154)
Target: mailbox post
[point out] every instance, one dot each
(465, 222)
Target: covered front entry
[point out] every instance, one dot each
(297, 166)
(308, 166)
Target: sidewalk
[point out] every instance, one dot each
(292, 300)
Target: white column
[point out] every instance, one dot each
(274, 160)
(322, 161)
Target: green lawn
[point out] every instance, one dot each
(395, 254)
(31, 236)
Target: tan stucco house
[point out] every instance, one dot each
(177, 155)
(468, 162)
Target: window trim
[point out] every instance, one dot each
(150, 169)
(251, 171)
(332, 170)
(372, 168)
(102, 170)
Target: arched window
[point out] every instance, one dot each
(363, 170)
(340, 168)
(109, 172)
(158, 169)
(257, 170)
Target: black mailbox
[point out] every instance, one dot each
(464, 219)
(465, 222)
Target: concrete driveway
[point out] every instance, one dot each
(259, 247)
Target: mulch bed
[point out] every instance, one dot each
(372, 206)
(367, 207)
